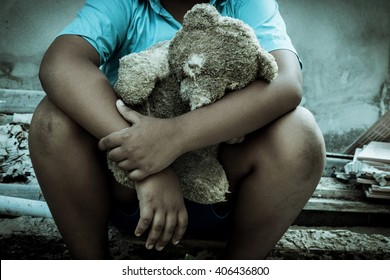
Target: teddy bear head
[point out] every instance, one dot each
(212, 54)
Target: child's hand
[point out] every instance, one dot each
(147, 147)
(162, 209)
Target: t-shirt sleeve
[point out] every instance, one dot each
(264, 17)
(103, 23)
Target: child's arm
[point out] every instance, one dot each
(162, 209)
(72, 81)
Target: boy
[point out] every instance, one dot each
(271, 174)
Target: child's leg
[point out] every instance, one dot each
(73, 180)
(272, 173)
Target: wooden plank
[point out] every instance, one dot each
(376, 193)
(367, 181)
(376, 151)
(332, 188)
(380, 188)
(334, 183)
(326, 204)
(19, 101)
(353, 195)
(335, 196)
(22, 191)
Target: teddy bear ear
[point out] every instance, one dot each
(201, 16)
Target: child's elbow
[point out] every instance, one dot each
(295, 93)
(43, 71)
(48, 68)
(292, 92)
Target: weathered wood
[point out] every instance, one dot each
(19, 101)
(334, 189)
(353, 195)
(326, 204)
(22, 191)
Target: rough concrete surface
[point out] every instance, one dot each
(38, 238)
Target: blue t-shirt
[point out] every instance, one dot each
(118, 27)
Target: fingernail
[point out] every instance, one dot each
(176, 242)
(149, 247)
(120, 102)
(137, 234)
(160, 248)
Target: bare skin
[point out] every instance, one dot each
(272, 173)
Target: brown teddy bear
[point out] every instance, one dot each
(209, 56)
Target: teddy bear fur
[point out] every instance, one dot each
(208, 57)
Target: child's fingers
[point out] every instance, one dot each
(145, 220)
(112, 140)
(138, 174)
(127, 165)
(117, 154)
(181, 226)
(127, 113)
(167, 233)
(155, 230)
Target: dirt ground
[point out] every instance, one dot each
(37, 238)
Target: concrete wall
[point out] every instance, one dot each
(27, 27)
(344, 45)
(345, 48)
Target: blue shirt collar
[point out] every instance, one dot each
(156, 4)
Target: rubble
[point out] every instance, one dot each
(15, 162)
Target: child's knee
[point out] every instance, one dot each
(50, 127)
(305, 149)
(294, 142)
(313, 145)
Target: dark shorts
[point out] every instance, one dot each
(204, 221)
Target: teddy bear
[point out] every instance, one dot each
(209, 56)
